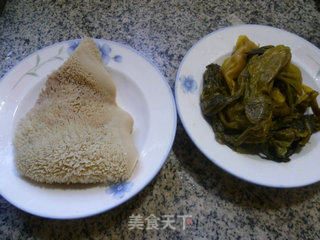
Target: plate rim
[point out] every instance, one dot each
(211, 158)
(173, 130)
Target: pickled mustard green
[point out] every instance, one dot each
(256, 102)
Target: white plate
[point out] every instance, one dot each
(141, 90)
(304, 167)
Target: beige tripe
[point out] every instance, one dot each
(76, 133)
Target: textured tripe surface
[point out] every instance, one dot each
(76, 133)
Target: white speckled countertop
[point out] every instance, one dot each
(222, 206)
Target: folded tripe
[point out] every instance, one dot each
(76, 133)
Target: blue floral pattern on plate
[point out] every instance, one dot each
(117, 58)
(104, 49)
(188, 84)
(72, 46)
(119, 190)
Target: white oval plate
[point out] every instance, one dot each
(141, 90)
(304, 167)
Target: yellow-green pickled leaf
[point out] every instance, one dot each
(232, 66)
(258, 105)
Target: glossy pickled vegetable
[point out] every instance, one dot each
(233, 65)
(256, 102)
